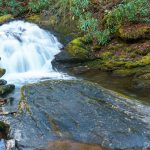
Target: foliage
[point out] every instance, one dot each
(13, 7)
(98, 28)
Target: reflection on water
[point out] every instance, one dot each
(70, 145)
(122, 85)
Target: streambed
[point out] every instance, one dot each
(62, 107)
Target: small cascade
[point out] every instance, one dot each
(26, 52)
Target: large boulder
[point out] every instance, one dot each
(81, 111)
(78, 49)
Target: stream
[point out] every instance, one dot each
(54, 106)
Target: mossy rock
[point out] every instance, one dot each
(5, 18)
(34, 18)
(125, 72)
(4, 130)
(78, 48)
(2, 72)
(134, 32)
(142, 81)
(6, 89)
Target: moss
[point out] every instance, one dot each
(23, 104)
(2, 72)
(78, 48)
(106, 55)
(125, 72)
(34, 18)
(134, 32)
(145, 76)
(5, 18)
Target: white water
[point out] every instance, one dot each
(26, 52)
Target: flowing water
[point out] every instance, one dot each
(26, 52)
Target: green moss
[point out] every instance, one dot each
(5, 18)
(34, 18)
(2, 72)
(23, 104)
(78, 48)
(125, 72)
(106, 55)
(145, 76)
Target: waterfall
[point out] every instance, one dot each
(26, 52)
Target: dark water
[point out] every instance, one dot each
(118, 84)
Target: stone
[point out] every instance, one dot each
(80, 111)
(6, 89)
(2, 72)
(3, 82)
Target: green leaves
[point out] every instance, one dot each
(13, 7)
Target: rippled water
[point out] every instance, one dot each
(26, 52)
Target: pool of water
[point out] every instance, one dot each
(118, 84)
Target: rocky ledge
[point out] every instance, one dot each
(78, 111)
(127, 54)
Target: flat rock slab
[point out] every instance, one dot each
(80, 111)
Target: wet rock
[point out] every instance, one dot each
(4, 130)
(65, 57)
(141, 81)
(3, 101)
(79, 111)
(79, 49)
(6, 89)
(3, 82)
(2, 72)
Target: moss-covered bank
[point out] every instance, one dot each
(128, 54)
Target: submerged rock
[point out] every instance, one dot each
(5, 89)
(79, 111)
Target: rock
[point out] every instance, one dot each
(4, 129)
(80, 111)
(78, 48)
(141, 81)
(3, 101)
(6, 89)
(2, 72)
(5, 18)
(3, 82)
(65, 57)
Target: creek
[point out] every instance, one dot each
(54, 106)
